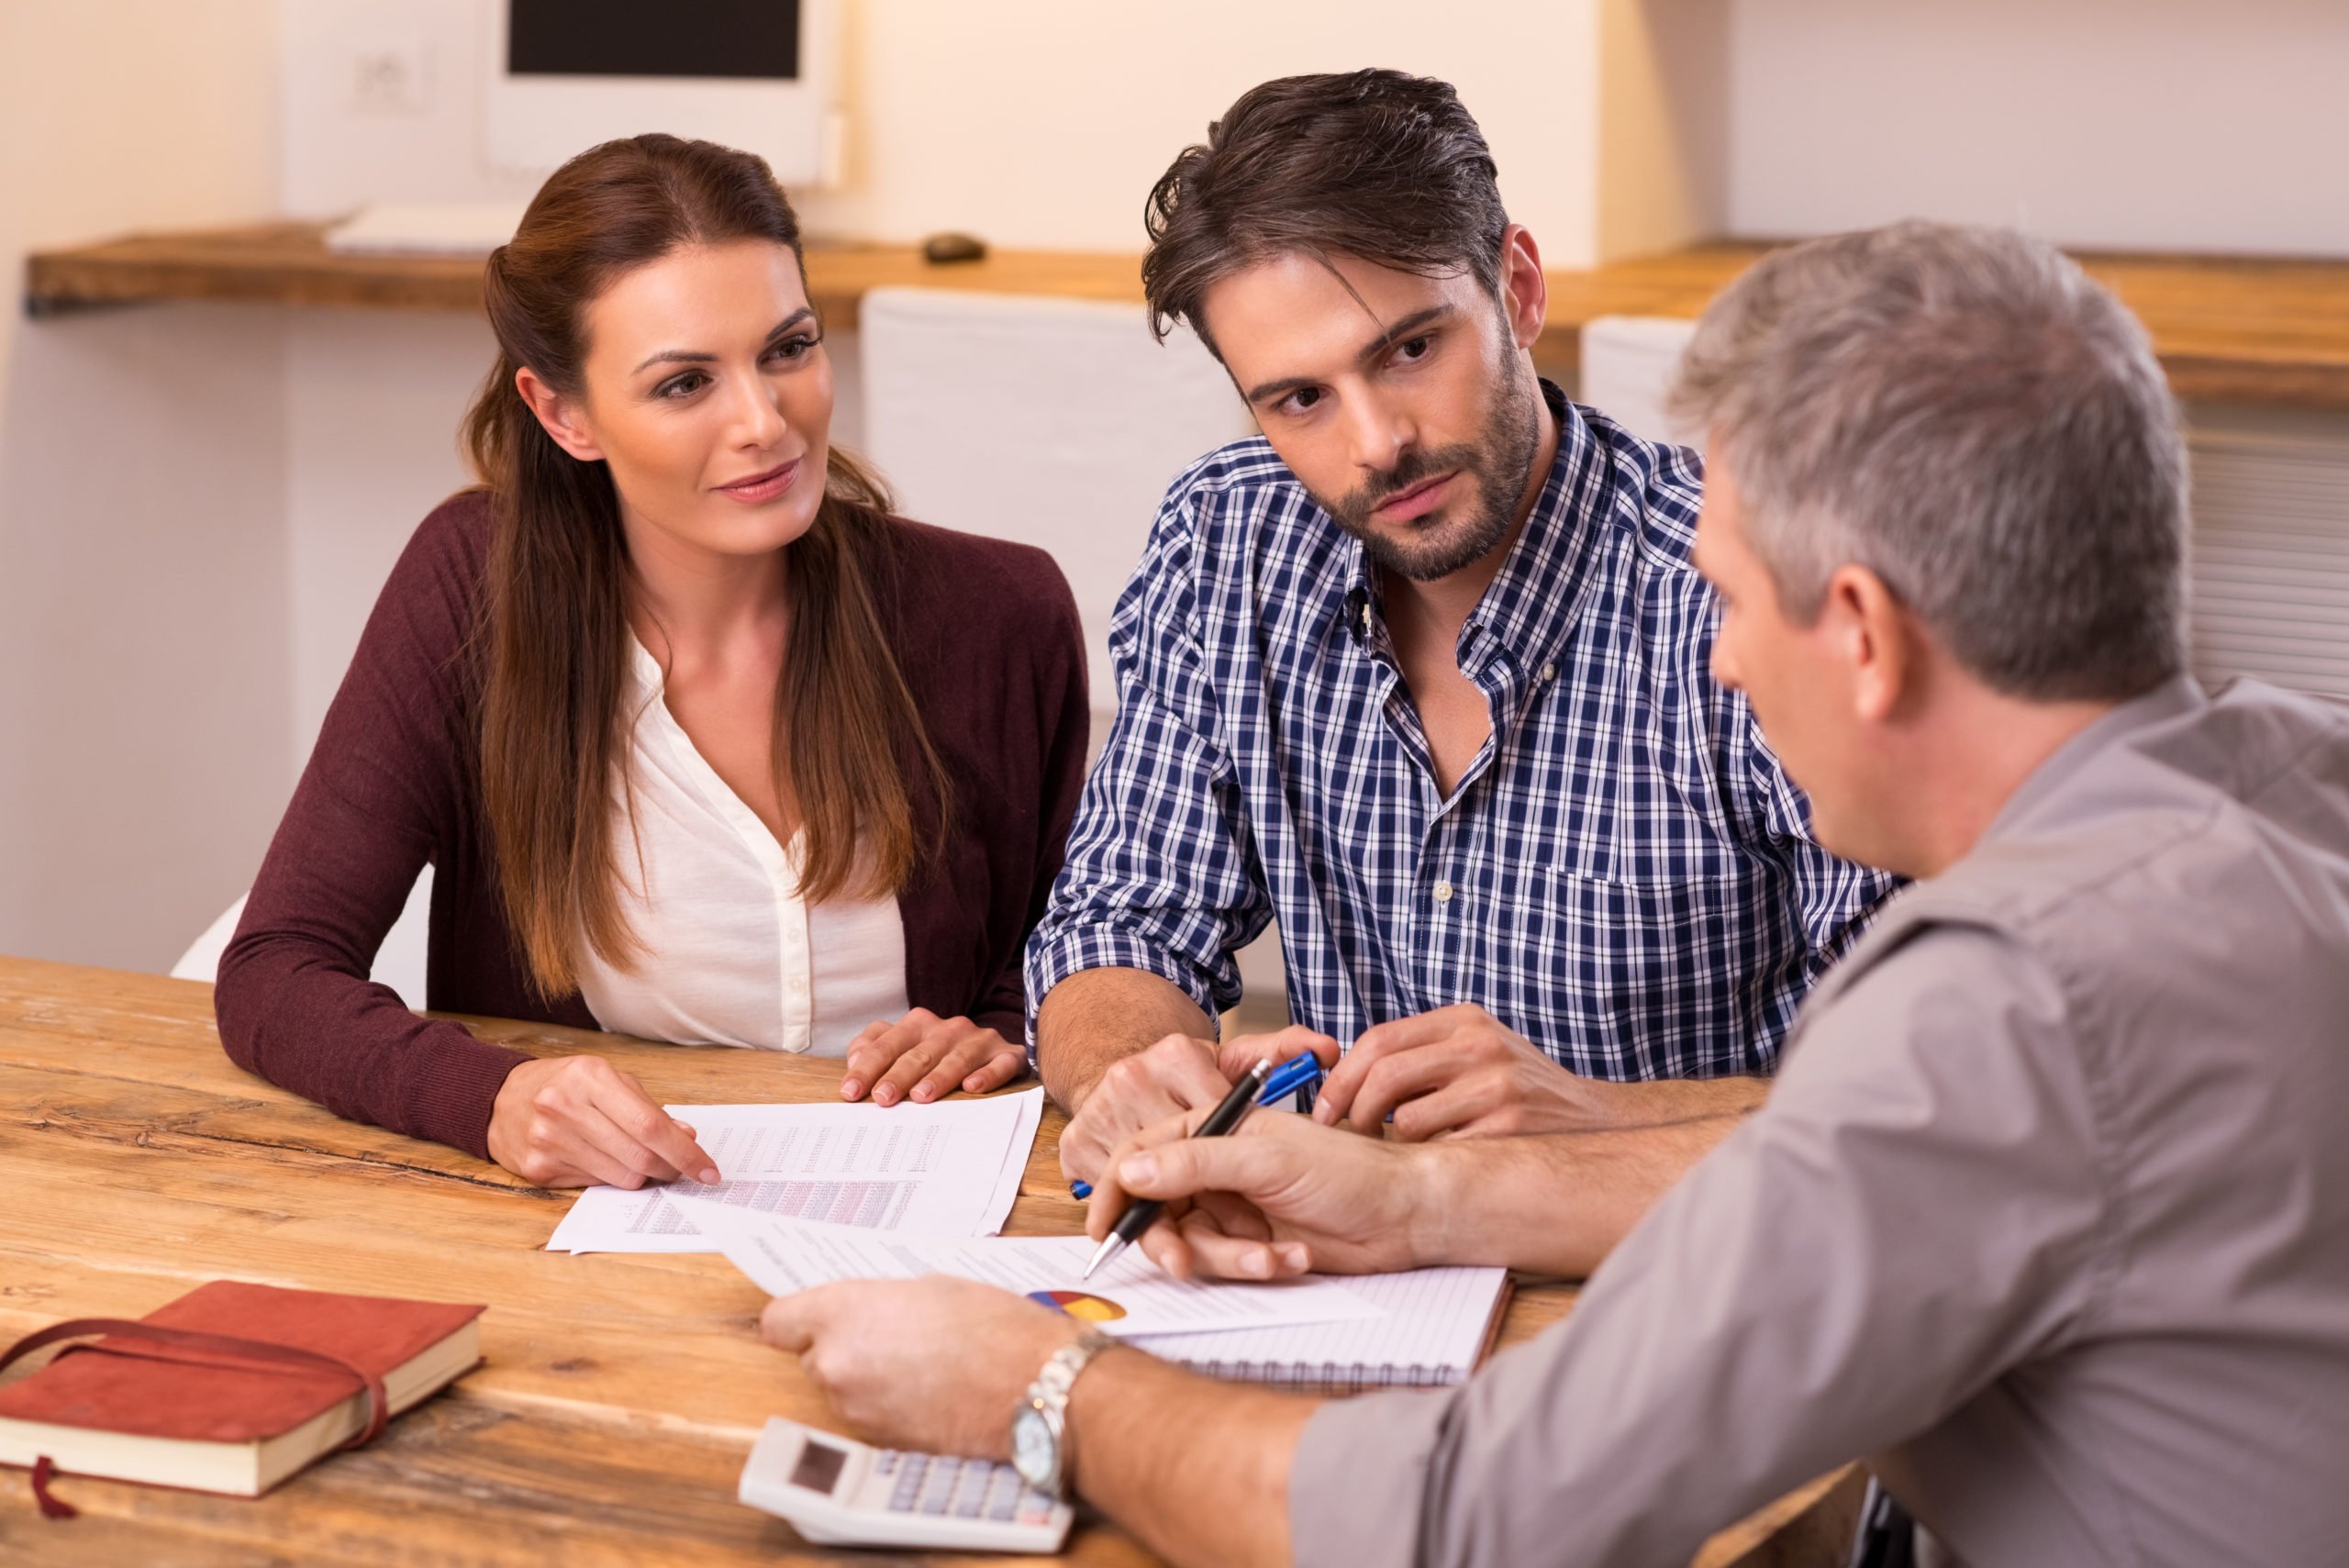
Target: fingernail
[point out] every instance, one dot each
(1138, 1170)
(885, 1095)
(707, 1175)
(1293, 1254)
(923, 1092)
(1257, 1264)
(971, 1084)
(850, 1088)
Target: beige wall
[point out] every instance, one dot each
(141, 555)
(1043, 123)
(2128, 124)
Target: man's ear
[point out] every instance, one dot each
(1524, 291)
(557, 417)
(1876, 636)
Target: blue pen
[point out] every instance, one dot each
(1290, 1077)
(1286, 1079)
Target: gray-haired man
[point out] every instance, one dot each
(2047, 1215)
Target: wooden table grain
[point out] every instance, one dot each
(619, 1394)
(2229, 329)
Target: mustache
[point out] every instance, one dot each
(1415, 467)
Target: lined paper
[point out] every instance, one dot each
(1433, 1327)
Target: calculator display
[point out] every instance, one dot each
(819, 1466)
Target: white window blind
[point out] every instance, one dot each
(2270, 579)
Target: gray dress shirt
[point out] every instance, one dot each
(2047, 1216)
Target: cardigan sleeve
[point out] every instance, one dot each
(386, 786)
(1063, 719)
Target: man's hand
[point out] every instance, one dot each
(938, 1364)
(1458, 1071)
(1279, 1198)
(1177, 1075)
(922, 1056)
(574, 1121)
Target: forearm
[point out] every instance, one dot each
(1667, 1100)
(1098, 1016)
(1197, 1470)
(1553, 1202)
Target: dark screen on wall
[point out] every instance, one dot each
(653, 38)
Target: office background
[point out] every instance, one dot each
(198, 501)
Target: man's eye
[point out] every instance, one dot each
(1303, 398)
(1413, 347)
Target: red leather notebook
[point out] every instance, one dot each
(220, 1418)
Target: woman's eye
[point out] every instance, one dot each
(678, 387)
(792, 349)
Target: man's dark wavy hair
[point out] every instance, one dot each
(1374, 164)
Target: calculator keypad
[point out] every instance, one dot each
(940, 1485)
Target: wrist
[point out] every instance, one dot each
(1445, 1186)
(1043, 1437)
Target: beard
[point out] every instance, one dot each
(1459, 533)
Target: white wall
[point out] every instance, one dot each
(2128, 124)
(142, 575)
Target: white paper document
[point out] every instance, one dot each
(948, 1169)
(1130, 1297)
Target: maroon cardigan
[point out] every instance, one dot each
(987, 636)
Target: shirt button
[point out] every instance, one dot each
(1548, 673)
(1443, 892)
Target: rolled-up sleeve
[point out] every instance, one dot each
(1915, 1211)
(1162, 873)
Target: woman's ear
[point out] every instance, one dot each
(557, 416)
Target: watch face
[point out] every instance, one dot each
(1035, 1447)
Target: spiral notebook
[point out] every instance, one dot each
(1437, 1325)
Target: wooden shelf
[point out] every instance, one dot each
(2227, 329)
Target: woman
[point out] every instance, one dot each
(703, 744)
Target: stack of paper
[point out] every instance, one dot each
(948, 1169)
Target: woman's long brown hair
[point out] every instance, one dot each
(552, 638)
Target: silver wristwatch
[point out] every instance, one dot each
(1040, 1449)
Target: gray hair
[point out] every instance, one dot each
(1964, 412)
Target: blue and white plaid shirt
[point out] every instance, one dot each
(1624, 875)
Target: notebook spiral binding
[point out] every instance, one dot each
(1328, 1378)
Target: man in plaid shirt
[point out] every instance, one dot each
(1421, 674)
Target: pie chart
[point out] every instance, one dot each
(1077, 1304)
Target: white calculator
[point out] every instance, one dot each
(843, 1493)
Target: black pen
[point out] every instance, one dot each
(1140, 1216)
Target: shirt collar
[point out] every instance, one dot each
(1527, 609)
(2179, 695)
(1528, 606)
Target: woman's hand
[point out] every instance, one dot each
(575, 1121)
(923, 1056)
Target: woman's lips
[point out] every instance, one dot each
(1417, 501)
(762, 486)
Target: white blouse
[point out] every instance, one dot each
(731, 955)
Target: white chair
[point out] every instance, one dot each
(399, 962)
(1627, 367)
(1054, 422)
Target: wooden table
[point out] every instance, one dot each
(2226, 328)
(619, 1394)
